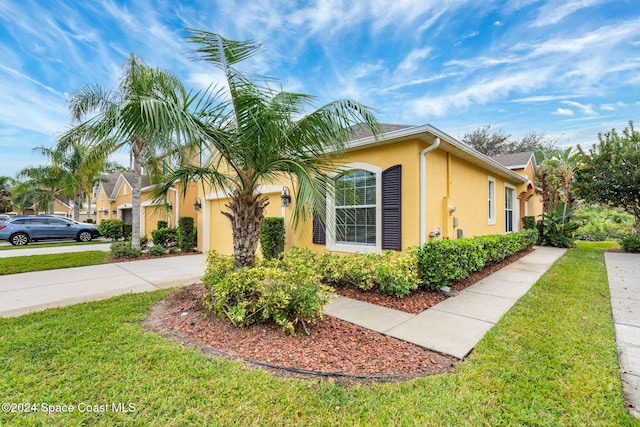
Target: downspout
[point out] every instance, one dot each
(423, 189)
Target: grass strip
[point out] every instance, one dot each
(25, 264)
(551, 360)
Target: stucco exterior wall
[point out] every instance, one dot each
(450, 182)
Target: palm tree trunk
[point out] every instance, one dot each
(247, 212)
(135, 193)
(77, 205)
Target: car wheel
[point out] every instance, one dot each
(84, 236)
(19, 239)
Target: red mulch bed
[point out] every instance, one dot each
(334, 347)
(420, 300)
(146, 255)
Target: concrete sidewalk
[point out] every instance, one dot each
(623, 271)
(35, 250)
(27, 292)
(455, 325)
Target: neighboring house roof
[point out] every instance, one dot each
(516, 160)
(114, 181)
(64, 201)
(109, 184)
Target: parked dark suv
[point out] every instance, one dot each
(21, 230)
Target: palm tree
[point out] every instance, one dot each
(44, 184)
(147, 114)
(262, 135)
(84, 164)
(5, 193)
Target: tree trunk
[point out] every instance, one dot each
(135, 193)
(95, 221)
(77, 205)
(247, 212)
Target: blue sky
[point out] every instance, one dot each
(565, 68)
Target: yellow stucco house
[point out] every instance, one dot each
(414, 184)
(114, 201)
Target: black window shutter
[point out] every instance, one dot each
(391, 208)
(319, 235)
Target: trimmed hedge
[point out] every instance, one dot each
(272, 237)
(165, 237)
(186, 234)
(443, 262)
(111, 229)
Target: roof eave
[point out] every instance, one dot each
(451, 145)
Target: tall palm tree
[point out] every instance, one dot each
(148, 113)
(262, 135)
(84, 164)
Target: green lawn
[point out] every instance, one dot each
(550, 361)
(24, 264)
(52, 245)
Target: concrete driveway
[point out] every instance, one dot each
(26, 292)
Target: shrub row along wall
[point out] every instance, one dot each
(442, 262)
(288, 289)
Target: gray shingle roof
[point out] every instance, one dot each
(515, 160)
(362, 132)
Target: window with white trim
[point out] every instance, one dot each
(491, 196)
(355, 208)
(509, 209)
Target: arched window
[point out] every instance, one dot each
(355, 208)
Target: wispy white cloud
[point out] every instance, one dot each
(585, 108)
(413, 59)
(555, 11)
(613, 107)
(481, 92)
(542, 98)
(563, 112)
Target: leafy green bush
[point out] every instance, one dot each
(291, 296)
(529, 222)
(162, 224)
(558, 228)
(359, 270)
(111, 229)
(442, 262)
(127, 229)
(124, 250)
(600, 223)
(157, 251)
(165, 237)
(398, 274)
(630, 243)
(186, 234)
(218, 266)
(272, 237)
(392, 272)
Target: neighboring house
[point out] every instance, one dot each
(412, 184)
(524, 164)
(114, 200)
